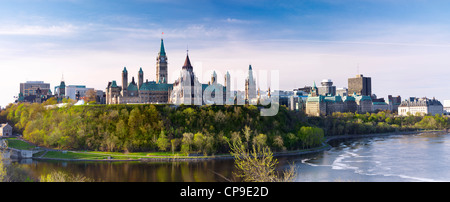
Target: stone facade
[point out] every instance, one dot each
(5, 130)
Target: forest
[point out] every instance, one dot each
(193, 129)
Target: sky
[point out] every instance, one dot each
(404, 46)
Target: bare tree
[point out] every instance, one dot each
(258, 164)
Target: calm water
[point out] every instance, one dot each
(397, 158)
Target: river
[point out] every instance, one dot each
(423, 157)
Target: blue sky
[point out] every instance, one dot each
(403, 45)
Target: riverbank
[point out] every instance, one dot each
(63, 155)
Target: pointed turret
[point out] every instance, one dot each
(162, 51)
(187, 64)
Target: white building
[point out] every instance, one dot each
(73, 90)
(420, 106)
(447, 107)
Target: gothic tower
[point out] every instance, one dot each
(125, 82)
(250, 86)
(140, 78)
(227, 82)
(161, 65)
(62, 88)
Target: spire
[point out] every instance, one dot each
(140, 70)
(187, 64)
(314, 84)
(125, 70)
(162, 51)
(250, 67)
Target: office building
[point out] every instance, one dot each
(360, 85)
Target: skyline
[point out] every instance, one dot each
(402, 45)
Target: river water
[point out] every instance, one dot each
(423, 157)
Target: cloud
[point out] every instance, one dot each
(39, 30)
(237, 21)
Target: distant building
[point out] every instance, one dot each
(379, 104)
(75, 92)
(60, 90)
(360, 85)
(306, 89)
(364, 103)
(394, 102)
(420, 106)
(30, 87)
(34, 92)
(320, 105)
(327, 88)
(5, 130)
(447, 107)
(342, 92)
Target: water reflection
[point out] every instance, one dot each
(205, 171)
(421, 157)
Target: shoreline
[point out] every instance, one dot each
(325, 146)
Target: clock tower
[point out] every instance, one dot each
(161, 65)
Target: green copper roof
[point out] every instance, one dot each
(349, 98)
(332, 98)
(125, 69)
(140, 70)
(114, 84)
(162, 51)
(153, 86)
(132, 87)
(314, 99)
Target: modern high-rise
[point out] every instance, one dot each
(360, 85)
(327, 88)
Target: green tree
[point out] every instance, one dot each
(186, 143)
(163, 142)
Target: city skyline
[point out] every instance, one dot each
(402, 45)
